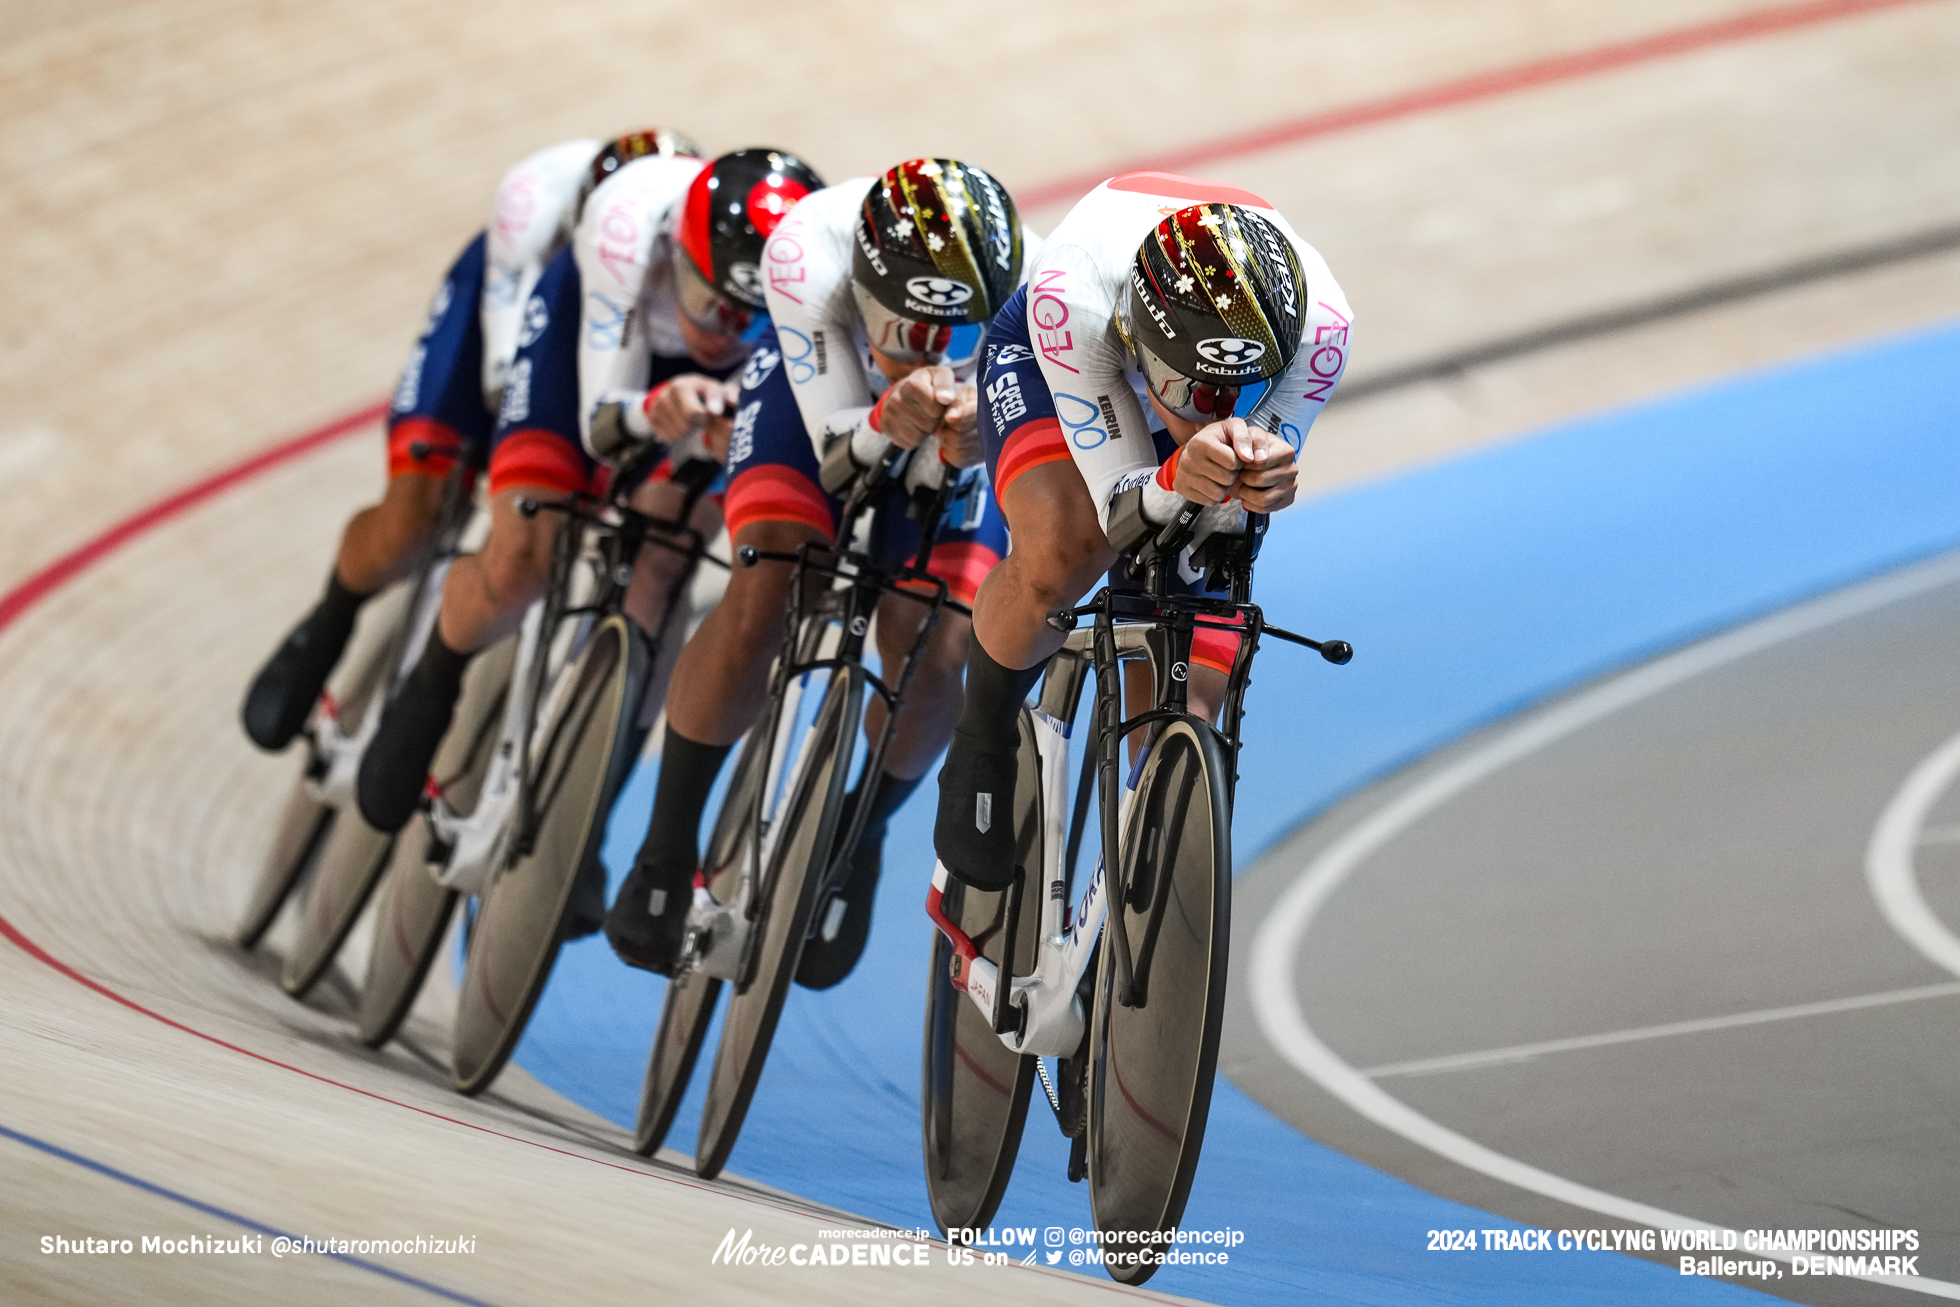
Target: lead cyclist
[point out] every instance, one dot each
(1123, 383)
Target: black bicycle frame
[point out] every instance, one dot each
(1173, 620)
(620, 533)
(852, 607)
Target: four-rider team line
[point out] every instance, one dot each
(921, 426)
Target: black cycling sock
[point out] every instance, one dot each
(672, 850)
(284, 691)
(438, 674)
(973, 832)
(994, 695)
(335, 613)
(891, 796)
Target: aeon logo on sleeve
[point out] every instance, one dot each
(1230, 351)
(940, 292)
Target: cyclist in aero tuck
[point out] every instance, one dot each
(880, 290)
(1124, 382)
(625, 343)
(443, 409)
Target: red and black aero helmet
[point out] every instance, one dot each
(1217, 304)
(730, 210)
(938, 249)
(622, 150)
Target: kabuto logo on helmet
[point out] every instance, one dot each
(1149, 302)
(938, 241)
(939, 292)
(870, 251)
(1231, 352)
(746, 278)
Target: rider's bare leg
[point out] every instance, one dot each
(660, 569)
(1058, 552)
(723, 673)
(483, 599)
(718, 687)
(485, 594)
(933, 701)
(932, 706)
(380, 544)
(384, 542)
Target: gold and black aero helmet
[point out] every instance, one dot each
(938, 251)
(1217, 305)
(622, 150)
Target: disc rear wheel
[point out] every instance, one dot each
(800, 850)
(690, 1003)
(975, 1089)
(303, 827)
(350, 862)
(305, 823)
(413, 914)
(581, 757)
(1151, 1065)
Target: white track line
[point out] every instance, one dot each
(1525, 1052)
(1889, 867)
(1279, 940)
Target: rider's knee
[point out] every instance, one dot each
(407, 514)
(515, 566)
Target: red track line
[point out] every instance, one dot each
(66, 568)
(1481, 86)
(1477, 86)
(41, 584)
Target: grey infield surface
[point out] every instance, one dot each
(1696, 855)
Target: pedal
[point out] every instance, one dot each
(438, 852)
(1078, 1158)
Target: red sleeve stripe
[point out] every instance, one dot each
(772, 493)
(1029, 445)
(442, 442)
(653, 397)
(535, 457)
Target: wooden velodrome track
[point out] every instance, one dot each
(226, 219)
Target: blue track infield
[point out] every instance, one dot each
(1470, 590)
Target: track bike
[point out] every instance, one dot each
(780, 846)
(320, 840)
(548, 727)
(1128, 1001)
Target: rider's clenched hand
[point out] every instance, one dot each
(1231, 459)
(1269, 473)
(914, 407)
(718, 428)
(959, 430)
(691, 403)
